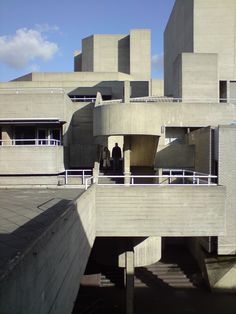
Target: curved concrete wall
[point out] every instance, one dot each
(148, 118)
(120, 118)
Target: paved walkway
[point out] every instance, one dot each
(25, 214)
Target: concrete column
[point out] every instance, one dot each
(228, 96)
(96, 171)
(129, 282)
(127, 92)
(159, 172)
(127, 150)
(6, 135)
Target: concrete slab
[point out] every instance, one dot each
(25, 214)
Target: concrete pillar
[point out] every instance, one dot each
(228, 96)
(127, 150)
(6, 135)
(159, 172)
(127, 92)
(129, 282)
(96, 171)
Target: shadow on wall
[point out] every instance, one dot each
(81, 149)
(175, 156)
(43, 260)
(112, 90)
(124, 55)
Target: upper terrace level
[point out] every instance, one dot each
(148, 115)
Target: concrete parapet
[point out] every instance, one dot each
(45, 277)
(160, 211)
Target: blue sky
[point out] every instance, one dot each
(43, 35)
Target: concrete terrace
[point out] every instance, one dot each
(25, 214)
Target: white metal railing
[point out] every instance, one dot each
(187, 177)
(28, 142)
(83, 99)
(162, 99)
(183, 100)
(82, 173)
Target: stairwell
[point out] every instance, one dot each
(177, 269)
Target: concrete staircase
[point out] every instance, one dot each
(170, 275)
(177, 270)
(110, 180)
(112, 277)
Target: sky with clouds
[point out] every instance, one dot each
(43, 35)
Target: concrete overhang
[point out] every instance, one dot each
(31, 121)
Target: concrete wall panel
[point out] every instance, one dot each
(160, 211)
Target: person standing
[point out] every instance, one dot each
(106, 159)
(116, 155)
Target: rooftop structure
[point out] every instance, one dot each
(175, 177)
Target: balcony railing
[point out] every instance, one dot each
(175, 177)
(83, 99)
(161, 99)
(79, 173)
(32, 142)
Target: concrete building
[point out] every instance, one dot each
(178, 176)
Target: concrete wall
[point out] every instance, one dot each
(106, 53)
(46, 277)
(143, 149)
(148, 118)
(32, 105)
(177, 69)
(175, 156)
(19, 180)
(160, 211)
(196, 76)
(215, 32)
(178, 38)
(202, 141)
(201, 26)
(233, 90)
(82, 147)
(75, 83)
(31, 159)
(77, 61)
(66, 78)
(227, 177)
(157, 87)
(140, 54)
(88, 54)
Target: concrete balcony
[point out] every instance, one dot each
(31, 160)
(148, 117)
(164, 211)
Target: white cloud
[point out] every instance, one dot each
(25, 46)
(157, 61)
(34, 67)
(46, 28)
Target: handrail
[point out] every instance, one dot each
(91, 179)
(173, 100)
(83, 171)
(196, 179)
(32, 141)
(82, 99)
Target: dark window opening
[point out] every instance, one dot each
(24, 135)
(223, 91)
